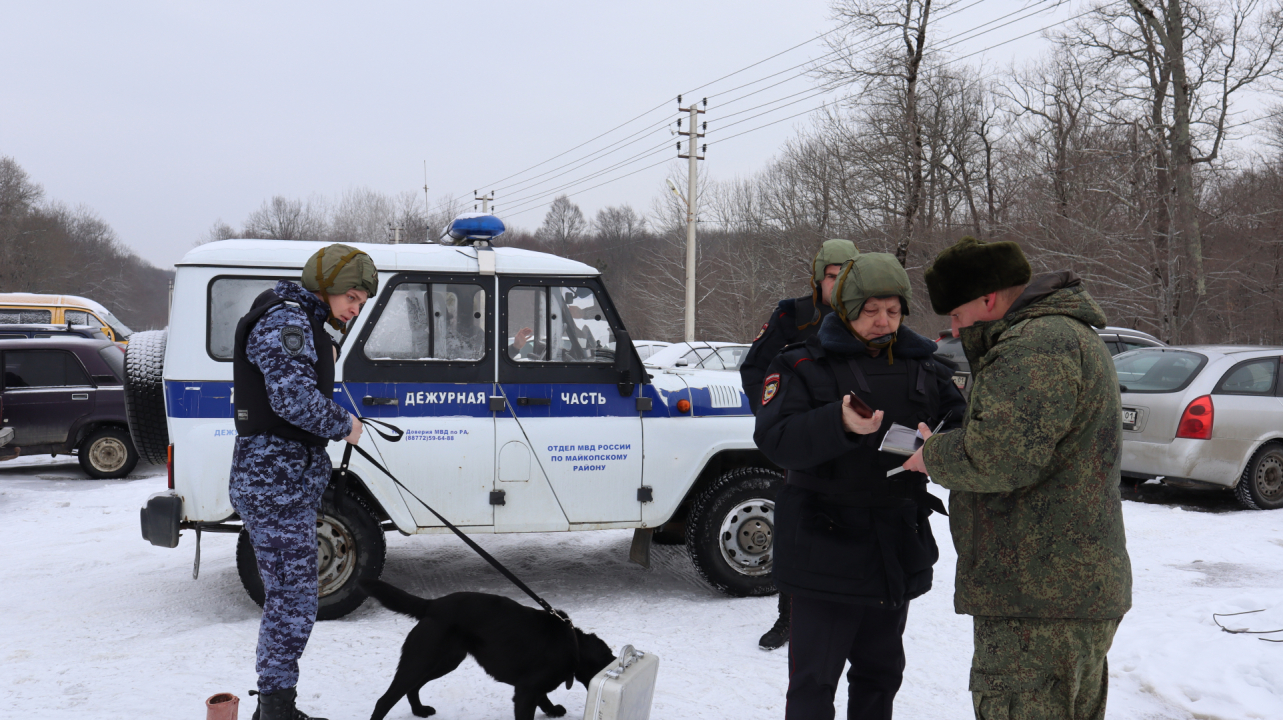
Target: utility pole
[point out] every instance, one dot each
(485, 201)
(694, 158)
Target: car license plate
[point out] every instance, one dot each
(960, 381)
(1129, 419)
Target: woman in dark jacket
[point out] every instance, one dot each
(852, 544)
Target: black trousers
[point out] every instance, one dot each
(823, 637)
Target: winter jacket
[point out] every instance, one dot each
(1035, 510)
(780, 329)
(844, 531)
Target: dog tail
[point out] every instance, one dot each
(396, 599)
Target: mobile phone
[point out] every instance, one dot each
(861, 408)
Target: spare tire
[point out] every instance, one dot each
(145, 394)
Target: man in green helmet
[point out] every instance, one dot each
(283, 366)
(793, 321)
(1034, 505)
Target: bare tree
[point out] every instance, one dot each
(563, 225)
(881, 47)
(283, 219)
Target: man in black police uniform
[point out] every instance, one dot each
(853, 545)
(793, 320)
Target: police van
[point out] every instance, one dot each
(524, 405)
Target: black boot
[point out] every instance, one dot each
(279, 706)
(779, 632)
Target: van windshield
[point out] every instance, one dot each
(1157, 370)
(122, 330)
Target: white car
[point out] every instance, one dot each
(569, 432)
(1205, 415)
(700, 356)
(646, 348)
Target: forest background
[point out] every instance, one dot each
(1119, 154)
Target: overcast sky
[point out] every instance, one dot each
(164, 117)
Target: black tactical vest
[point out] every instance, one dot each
(254, 413)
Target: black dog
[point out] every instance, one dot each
(522, 646)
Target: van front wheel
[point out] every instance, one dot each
(730, 532)
(350, 548)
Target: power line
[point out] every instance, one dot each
(966, 35)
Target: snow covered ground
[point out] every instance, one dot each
(99, 624)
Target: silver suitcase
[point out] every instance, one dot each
(624, 689)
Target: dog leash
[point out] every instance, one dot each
(395, 436)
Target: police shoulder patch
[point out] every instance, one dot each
(293, 339)
(770, 387)
(761, 332)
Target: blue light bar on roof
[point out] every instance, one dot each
(475, 226)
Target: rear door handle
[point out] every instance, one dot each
(80, 396)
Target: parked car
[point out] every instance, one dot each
(21, 332)
(1118, 340)
(64, 396)
(1209, 415)
(33, 308)
(568, 432)
(646, 348)
(700, 355)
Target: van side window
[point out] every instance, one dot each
(437, 321)
(78, 317)
(229, 300)
(42, 368)
(558, 324)
(20, 316)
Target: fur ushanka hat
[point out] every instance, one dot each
(970, 268)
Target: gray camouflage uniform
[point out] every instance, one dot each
(276, 484)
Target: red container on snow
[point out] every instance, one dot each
(222, 706)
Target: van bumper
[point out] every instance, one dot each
(161, 517)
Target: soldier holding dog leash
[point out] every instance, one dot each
(283, 367)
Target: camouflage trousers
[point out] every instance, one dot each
(276, 487)
(1040, 669)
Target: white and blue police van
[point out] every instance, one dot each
(524, 405)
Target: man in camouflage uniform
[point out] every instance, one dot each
(794, 320)
(1035, 510)
(285, 417)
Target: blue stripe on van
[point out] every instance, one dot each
(213, 399)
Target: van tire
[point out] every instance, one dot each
(351, 545)
(733, 504)
(145, 394)
(107, 453)
(1261, 486)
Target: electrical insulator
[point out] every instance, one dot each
(679, 146)
(703, 148)
(679, 122)
(679, 99)
(705, 126)
(705, 103)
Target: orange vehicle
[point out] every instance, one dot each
(27, 308)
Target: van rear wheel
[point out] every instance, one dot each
(350, 548)
(730, 532)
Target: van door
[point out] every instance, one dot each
(425, 363)
(557, 374)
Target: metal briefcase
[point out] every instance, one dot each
(624, 689)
